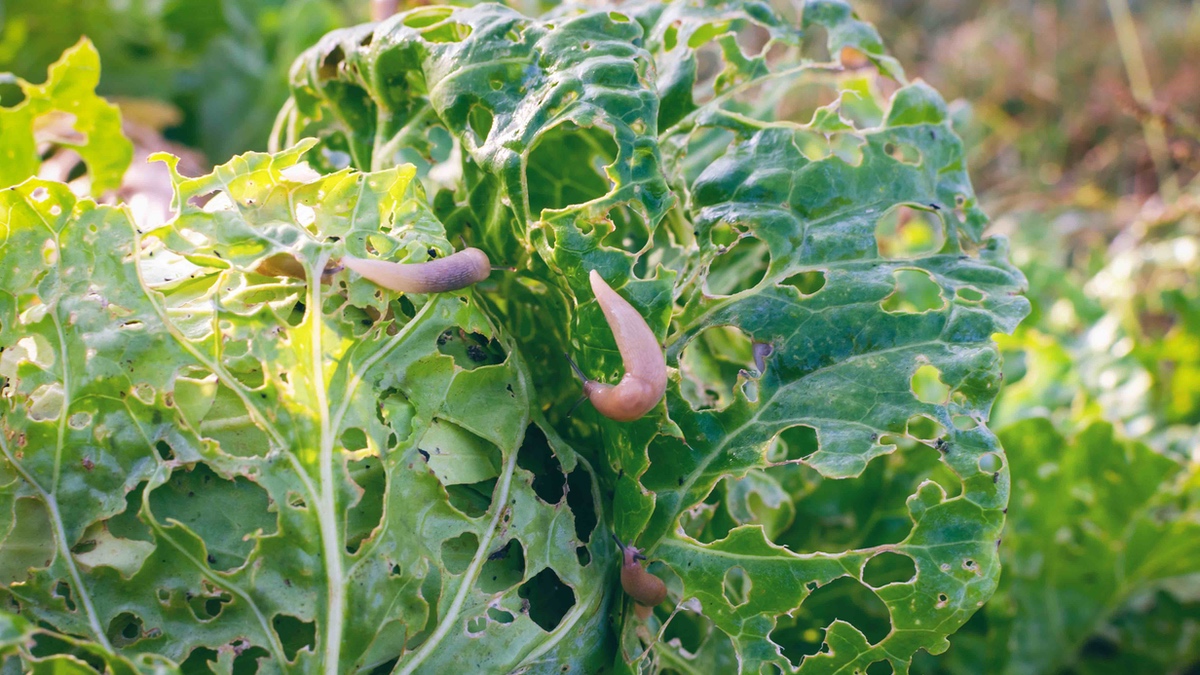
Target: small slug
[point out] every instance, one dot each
(455, 271)
(645, 588)
(645, 379)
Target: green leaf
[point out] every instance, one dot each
(775, 233)
(65, 112)
(1100, 553)
(249, 455)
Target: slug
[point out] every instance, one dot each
(645, 588)
(455, 271)
(286, 265)
(645, 379)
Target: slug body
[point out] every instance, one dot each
(645, 379)
(639, 584)
(455, 271)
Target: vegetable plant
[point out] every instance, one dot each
(225, 451)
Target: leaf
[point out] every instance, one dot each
(775, 233)
(408, 488)
(65, 112)
(219, 434)
(1102, 531)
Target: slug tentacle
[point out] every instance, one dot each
(645, 379)
(455, 271)
(645, 588)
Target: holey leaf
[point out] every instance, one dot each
(224, 450)
(219, 451)
(794, 220)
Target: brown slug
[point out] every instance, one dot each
(645, 379)
(645, 588)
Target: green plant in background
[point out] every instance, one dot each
(222, 65)
(210, 466)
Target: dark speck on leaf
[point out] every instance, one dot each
(476, 353)
(432, 253)
(996, 477)
(621, 473)
(88, 463)
(212, 559)
(498, 554)
(191, 494)
(935, 207)
(681, 480)
(287, 582)
(424, 454)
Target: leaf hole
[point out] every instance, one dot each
(470, 350)
(889, 567)
(457, 552)
(480, 120)
(904, 231)
(924, 427)
(793, 444)
(198, 661)
(580, 501)
(447, 32)
(555, 184)
(294, 635)
(990, 463)
(808, 283)
(248, 659)
(844, 598)
(125, 629)
(964, 422)
(902, 152)
(549, 599)
(583, 555)
(504, 568)
(880, 668)
(738, 268)
(476, 626)
(63, 590)
(536, 457)
(499, 615)
(915, 292)
(364, 516)
(928, 387)
(202, 200)
(710, 364)
(736, 586)
(208, 606)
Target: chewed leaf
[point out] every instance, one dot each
(65, 113)
(248, 448)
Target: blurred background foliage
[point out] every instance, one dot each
(1082, 120)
